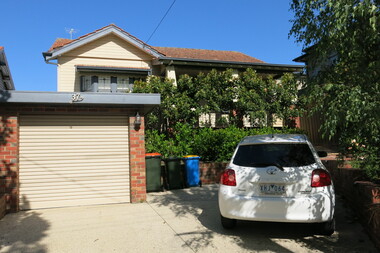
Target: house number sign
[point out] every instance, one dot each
(76, 97)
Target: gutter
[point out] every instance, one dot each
(48, 54)
(186, 61)
(301, 58)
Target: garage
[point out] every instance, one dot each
(71, 160)
(61, 149)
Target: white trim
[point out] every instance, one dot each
(91, 37)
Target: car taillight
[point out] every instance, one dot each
(228, 177)
(320, 177)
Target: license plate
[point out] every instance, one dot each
(272, 189)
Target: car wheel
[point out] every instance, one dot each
(227, 223)
(327, 228)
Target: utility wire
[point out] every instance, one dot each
(161, 21)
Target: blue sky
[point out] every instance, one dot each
(255, 27)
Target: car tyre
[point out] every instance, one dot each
(327, 228)
(227, 223)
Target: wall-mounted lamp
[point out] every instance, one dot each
(137, 120)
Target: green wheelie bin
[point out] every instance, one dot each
(173, 173)
(153, 172)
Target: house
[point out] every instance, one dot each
(68, 148)
(110, 60)
(6, 81)
(312, 123)
(313, 63)
(84, 144)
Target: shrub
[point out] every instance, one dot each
(178, 143)
(210, 144)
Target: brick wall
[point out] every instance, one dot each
(366, 201)
(9, 160)
(363, 196)
(9, 167)
(210, 172)
(137, 161)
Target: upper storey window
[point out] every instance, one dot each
(104, 83)
(109, 79)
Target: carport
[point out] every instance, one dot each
(70, 149)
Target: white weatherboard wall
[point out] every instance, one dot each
(73, 160)
(108, 51)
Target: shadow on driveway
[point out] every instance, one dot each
(256, 236)
(22, 232)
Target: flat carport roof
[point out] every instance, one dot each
(143, 101)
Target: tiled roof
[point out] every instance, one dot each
(62, 42)
(172, 52)
(5, 72)
(203, 54)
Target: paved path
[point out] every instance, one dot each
(174, 221)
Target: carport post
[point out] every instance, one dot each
(137, 160)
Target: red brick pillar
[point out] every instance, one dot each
(9, 175)
(137, 160)
(294, 122)
(297, 121)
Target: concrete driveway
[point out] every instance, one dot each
(174, 221)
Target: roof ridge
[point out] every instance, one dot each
(186, 53)
(54, 46)
(200, 49)
(171, 52)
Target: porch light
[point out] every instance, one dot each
(137, 120)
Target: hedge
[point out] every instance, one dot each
(210, 144)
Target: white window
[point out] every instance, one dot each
(86, 83)
(107, 83)
(104, 84)
(123, 84)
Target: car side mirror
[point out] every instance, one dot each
(322, 153)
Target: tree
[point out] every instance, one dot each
(177, 104)
(346, 89)
(262, 98)
(248, 95)
(220, 91)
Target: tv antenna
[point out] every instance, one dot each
(71, 31)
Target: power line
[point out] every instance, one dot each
(161, 21)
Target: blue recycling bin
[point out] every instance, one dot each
(192, 170)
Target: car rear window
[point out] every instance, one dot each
(283, 155)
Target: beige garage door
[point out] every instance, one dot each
(73, 160)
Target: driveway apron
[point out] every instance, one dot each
(174, 221)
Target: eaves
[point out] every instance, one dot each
(227, 64)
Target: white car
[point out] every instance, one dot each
(277, 178)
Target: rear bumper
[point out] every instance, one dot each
(318, 207)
